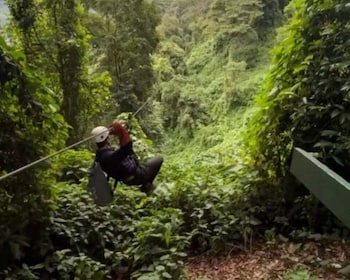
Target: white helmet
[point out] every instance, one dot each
(100, 133)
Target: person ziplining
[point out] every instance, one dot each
(122, 163)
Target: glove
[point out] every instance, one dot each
(118, 129)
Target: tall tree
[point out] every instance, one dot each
(55, 40)
(71, 41)
(126, 43)
(31, 127)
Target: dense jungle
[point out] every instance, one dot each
(224, 90)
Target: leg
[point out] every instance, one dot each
(146, 173)
(153, 166)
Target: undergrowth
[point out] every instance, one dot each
(205, 202)
(297, 273)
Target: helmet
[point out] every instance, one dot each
(100, 133)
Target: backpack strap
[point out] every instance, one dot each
(108, 177)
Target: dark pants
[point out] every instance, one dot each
(146, 172)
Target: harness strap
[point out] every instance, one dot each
(115, 182)
(130, 178)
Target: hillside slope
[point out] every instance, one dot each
(211, 61)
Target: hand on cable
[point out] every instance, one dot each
(117, 129)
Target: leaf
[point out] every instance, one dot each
(160, 267)
(292, 248)
(343, 118)
(338, 160)
(273, 92)
(15, 250)
(323, 144)
(345, 270)
(60, 220)
(181, 254)
(38, 266)
(300, 68)
(166, 275)
(53, 109)
(254, 221)
(329, 133)
(335, 113)
(167, 235)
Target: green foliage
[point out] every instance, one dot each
(305, 96)
(207, 55)
(159, 237)
(125, 38)
(128, 238)
(31, 128)
(151, 120)
(272, 17)
(209, 197)
(64, 19)
(170, 98)
(169, 61)
(123, 41)
(54, 39)
(96, 104)
(137, 236)
(162, 68)
(240, 86)
(204, 83)
(299, 274)
(72, 166)
(66, 265)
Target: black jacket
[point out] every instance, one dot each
(118, 163)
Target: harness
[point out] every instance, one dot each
(120, 170)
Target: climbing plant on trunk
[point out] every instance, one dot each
(125, 39)
(31, 127)
(54, 39)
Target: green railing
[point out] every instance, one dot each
(330, 188)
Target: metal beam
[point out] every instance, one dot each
(330, 188)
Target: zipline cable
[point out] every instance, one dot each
(139, 109)
(61, 151)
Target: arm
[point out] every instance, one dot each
(113, 157)
(118, 129)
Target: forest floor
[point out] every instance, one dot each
(287, 261)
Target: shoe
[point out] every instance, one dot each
(148, 188)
